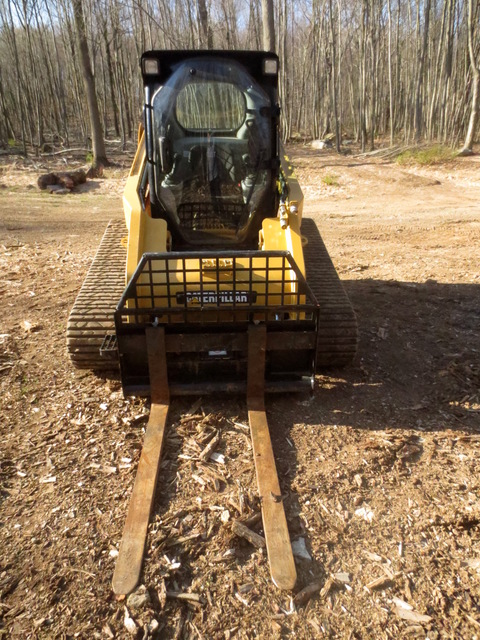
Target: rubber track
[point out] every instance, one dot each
(338, 331)
(92, 314)
(91, 317)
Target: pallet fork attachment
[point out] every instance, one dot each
(130, 556)
(279, 550)
(280, 556)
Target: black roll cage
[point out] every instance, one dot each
(254, 64)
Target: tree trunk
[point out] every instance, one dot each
(206, 36)
(268, 23)
(363, 77)
(373, 75)
(333, 48)
(6, 129)
(98, 141)
(253, 26)
(390, 79)
(418, 126)
(475, 67)
(111, 80)
(19, 83)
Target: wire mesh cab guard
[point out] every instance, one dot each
(194, 216)
(206, 302)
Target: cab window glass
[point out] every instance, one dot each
(210, 106)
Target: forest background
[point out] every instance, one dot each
(364, 70)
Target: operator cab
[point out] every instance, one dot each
(212, 143)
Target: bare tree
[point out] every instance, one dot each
(6, 129)
(19, 89)
(206, 36)
(418, 123)
(268, 22)
(390, 73)
(98, 141)
(333, 49)
(365, 68)
(474, 56)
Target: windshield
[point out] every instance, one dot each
(212, 145)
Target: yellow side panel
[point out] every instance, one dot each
(289, 239)
(145, 234)
(131, 198)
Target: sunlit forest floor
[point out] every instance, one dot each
(380, 468)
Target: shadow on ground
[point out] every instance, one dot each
(417, 362)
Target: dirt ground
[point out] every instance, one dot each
(380, 469)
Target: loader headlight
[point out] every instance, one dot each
(151, 66)
(270, 66)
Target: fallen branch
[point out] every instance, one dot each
(305, 594)
(244, 532)
(194, 598)
(57, 153)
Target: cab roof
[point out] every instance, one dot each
(168, 59)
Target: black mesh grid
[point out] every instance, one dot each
(197, 288)
(196, 216)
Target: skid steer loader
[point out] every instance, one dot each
(221, 288)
